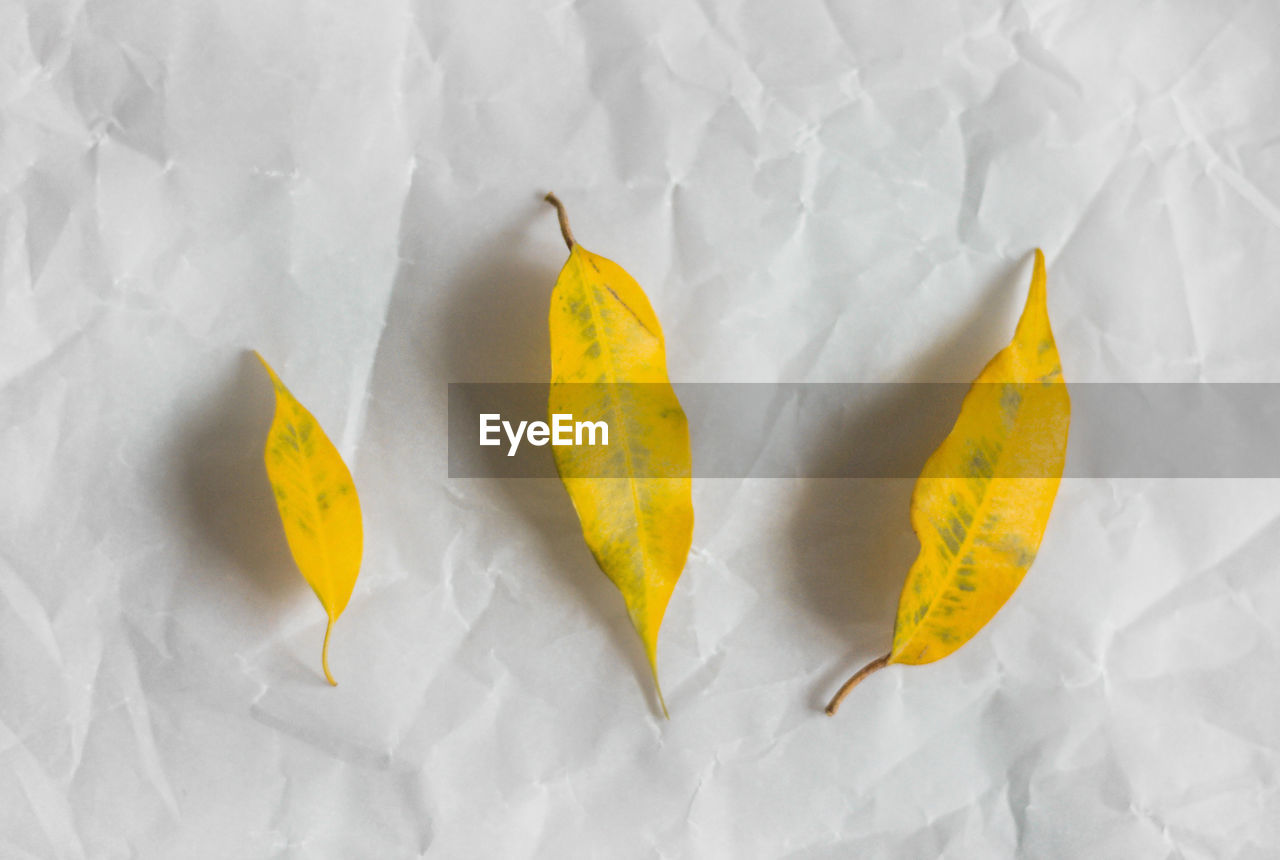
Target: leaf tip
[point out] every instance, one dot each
(1038, 275)
(1035, 311)
(275, 379)
(651, 652)
(324, 654)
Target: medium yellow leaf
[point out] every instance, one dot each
(633, 496)
(318, 505)
(984, 497)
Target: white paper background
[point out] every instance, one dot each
(809, 192)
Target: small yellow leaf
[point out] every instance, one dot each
(633, 496)
(318, 505)
(982, 502)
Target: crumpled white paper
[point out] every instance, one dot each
(809, 192)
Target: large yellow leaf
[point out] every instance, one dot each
(318, 505)
(633, 496)
(983, 499)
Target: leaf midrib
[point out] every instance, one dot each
(606, 352)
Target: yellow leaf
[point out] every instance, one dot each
(984, 497)
(318, 505)
(633, 496)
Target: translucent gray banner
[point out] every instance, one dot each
(870, 430)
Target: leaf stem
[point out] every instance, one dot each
(324, 653)
(563, 216)
(874, 666)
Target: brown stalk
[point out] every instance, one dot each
(874, 666)
(563, 216)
